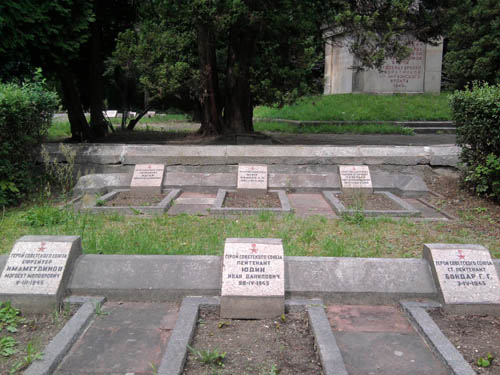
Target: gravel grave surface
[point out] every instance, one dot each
(128, 198)
(242, 199)
(269, 346)
(367, 202)
(474, 336)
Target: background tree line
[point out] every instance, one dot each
(220, 58)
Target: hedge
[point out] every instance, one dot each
(476, 112)
(25, 115)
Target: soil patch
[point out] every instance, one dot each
(367, 202)
(474, 336)
(477, 214)
(285, 346)
(128, 198)
(241, 199)
(33, 334)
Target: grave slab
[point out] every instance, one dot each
(379, 340)
(127, 341)
(253, 285)
(147, 177)
(37, 271)
(465, 277)
(310, 204)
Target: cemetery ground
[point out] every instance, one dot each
(477, 221)
(23, 337)
(376, 110)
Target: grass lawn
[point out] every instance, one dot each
(363, 107)
(192, 235)
(279, 127)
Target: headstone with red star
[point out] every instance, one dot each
(147, 178)
(465, 277)
(355, 178)
(252, 178)
(37, 270)
(253, 285)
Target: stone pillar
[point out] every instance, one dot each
(433, 64)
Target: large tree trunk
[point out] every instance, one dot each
(80, 129)
(238, 110)
(96, 70)
(211, 119)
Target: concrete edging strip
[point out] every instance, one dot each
(173, 360)
(445, 350)
(55, 351)
(175, 356)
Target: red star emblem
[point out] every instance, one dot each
(254, 249)
(460, 255)
(149, 166)
(42, 248)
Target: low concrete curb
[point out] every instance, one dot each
(405, 211)
(217, 208)
(175, 356)
(158, 209)
(55, 351)
(445, 350)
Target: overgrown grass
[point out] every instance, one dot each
(192, 235)
(363, 107)
(332, 129)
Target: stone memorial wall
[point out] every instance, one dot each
(420, 72)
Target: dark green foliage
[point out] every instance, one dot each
(476, 112)
(473, 47)
(25, 115)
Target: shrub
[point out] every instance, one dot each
(476, 112)
(25, 115)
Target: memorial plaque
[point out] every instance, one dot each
(253, 285)
(355, 177)
(252, 177)
(464, 275)
(148, 177)
(36, 271)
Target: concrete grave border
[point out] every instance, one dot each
(158, 209)
(217, 208)
(437, 341)
(60, 345)
(406, 208)
(175, 355)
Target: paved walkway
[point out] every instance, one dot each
(131, 338)
(379, 340)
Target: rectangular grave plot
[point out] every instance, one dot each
(219, 209)
(160, 203)
(268, 340)
(404, 208)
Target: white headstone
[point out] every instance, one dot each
(132, 114)
(111, 114)
(148, 177)
(464, 275)
(150, 113)
(252, 177)
(253, 285)
(37, 270)
(355, 177)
